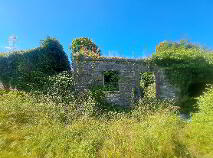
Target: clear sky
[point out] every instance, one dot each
(128, 28)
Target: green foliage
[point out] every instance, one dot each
(201, 127)
(32, 129)
(29, 128)
(205, 102)
(27, 69)
(185, 64)
(51, 43)
(187, 105)
(147, 78)
(84, 47)
(147, 85)
(60, 123)
(111, 79)
(188, 67)
(101, 105)
(60, 88)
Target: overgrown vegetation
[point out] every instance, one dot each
(26, 70)
(188, 67)
(111, 79)
(29, 128)
(185, 64)
(84, 47)
(54, 121)
(147, 81)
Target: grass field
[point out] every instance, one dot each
(32, 128)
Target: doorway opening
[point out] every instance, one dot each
(147, 85)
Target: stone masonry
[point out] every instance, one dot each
(90, 71)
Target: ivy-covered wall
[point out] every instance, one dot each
(89, 72)
(178, 68)
(26, 70)
(185, 64)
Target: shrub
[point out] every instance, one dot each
(184, 65)
(84, 47)
(60, 88)
(188, 67)
(26, 69)
(148, 85)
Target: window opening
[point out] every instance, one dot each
(111, 79)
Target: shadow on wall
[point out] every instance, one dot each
(197, 89)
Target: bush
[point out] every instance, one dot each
(64, 124)
(60, 88)
(147, 85)
(184, 65)
(188, 67)
(27, 69)
(84, 47)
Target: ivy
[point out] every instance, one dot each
(27, 70)
(184, 63)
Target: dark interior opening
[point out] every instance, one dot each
(111, 79)
(196, 89)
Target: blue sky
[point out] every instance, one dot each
(127, 28)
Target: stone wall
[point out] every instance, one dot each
(90, 71)
(164, 89)
(1, 85)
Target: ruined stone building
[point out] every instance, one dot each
(127, 73)
(89, 71)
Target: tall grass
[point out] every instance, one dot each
(199, 133)
(29, 128)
